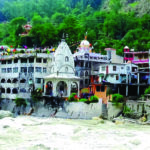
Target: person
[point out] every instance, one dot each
(61, 93)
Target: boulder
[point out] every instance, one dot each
(4, 114)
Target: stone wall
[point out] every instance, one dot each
(113, 110)
(73, 110)
(139, 107)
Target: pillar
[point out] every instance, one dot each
(127, 88)
(54, 88)
(138, 88)
(68, 88)
(78, 89)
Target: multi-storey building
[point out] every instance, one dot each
(22, 73)
(87, 63)
(141, 59)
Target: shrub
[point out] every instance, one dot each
(20, 102)
(117, 98)
(36, 94)
(147, 91)
(73, 97)
(83, 100)
(127, 111)
(22, 51)
(94, 99)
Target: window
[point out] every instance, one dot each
(3, 70)
(82, 64)
(103, 68)
(15, 70)
(128, 68)
(117, 77)
(38, 60)
(8, 90)
(44, 70)
(4, 62)
(112, 75)
(76, 73)
(86, 73)
(81, 74)
(66, 59)
(15, 80)
(23, 69)
(9, 70)
(3, 81)
(122, 67)
(31, 69)
(114, 68)
(9, 61)
(66, 69)
(31, 60)
(8, 81)
(38, 69)
(44, 60)
(23, 60)
(86, 81)
(23, 81)
(14, 91)
(38, 80)
(15, 60)
(102, 88)
(98, 88)
(86, 64)
(22, 90)
(3, 90)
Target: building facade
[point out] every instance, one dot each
(22, 73)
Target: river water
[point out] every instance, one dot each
(32, 133)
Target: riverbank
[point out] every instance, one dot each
(33, 133)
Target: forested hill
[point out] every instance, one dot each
(109, 23)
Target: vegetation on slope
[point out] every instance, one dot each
(115, 25)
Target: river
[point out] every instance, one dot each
(32, 133)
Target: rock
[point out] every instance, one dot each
(117, 122)
(96, 118)
(4, 114)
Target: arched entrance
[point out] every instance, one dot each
(49, 88)
(74, 87)
(61, 88)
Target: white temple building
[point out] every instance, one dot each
(62, 80)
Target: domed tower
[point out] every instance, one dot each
(85, 46)
(62, 80)
(63, 62)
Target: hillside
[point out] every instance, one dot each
(109, 23)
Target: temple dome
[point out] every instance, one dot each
(85, 43)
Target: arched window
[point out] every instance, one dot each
(14, 91)
(81, 74)
(3, 81)
(76, 73)
(3, 90)
(8, 90)
(66, 59)
(86, 73)
(87, 64)
(15, 80)
(8, 81)
(23, 81)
